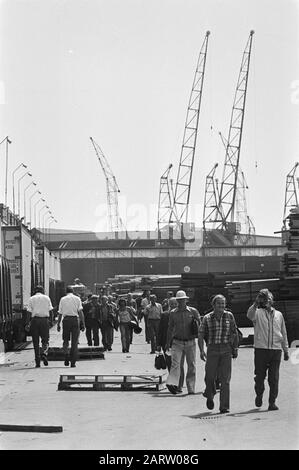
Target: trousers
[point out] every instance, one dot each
(179, 351)
(70, 332)
(40, 330)
(267, 360)
(219, 365)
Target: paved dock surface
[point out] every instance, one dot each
(142, 420)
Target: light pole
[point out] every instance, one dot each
(27, 187)
(50, 223)
(46, 230)
(8, 141)
(40, 200)
(13, 185)
(19, 181)
(36, 192)
(40, 211)
(44, 219)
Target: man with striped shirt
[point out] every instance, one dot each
(219, 330)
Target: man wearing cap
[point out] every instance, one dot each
(270, 337)
(219, 330)
(92, 315)
(153, 313)
(181, 337)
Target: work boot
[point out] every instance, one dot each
(73, 364)
(37, 363)
(210, 404)
(272, 407)
(258, 401)
(45, 359)
(66, 361)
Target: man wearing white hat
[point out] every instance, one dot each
(181, 335)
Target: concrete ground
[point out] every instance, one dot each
(142, 420)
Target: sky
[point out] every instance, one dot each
(121, 71)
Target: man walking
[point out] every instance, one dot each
(70, 309)
(162, 341)
(91, 311)
(40, 307)
(270, 337)
(181, 336)
(153, 314)
(219, 330)
(108, 317)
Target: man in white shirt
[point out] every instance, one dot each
(70, 309)
(270, 337)
(40, 306)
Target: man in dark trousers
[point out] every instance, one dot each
(70, 309)
(108, 317)
(92, 316)
(181, 337)
(40, 307)
(219, 330)
(162, 340)
(270, 337)
(153, 313)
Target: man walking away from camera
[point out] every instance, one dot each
(270, 337)
(219, 330)
(181, 336)
(70, 309)
(40, 307)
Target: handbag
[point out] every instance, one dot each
(160, 362)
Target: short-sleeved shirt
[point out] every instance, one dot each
(70, 305)
(39, 305)
(153, 312)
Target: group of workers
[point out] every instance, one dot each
(171, 328)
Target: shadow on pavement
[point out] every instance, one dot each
(211, 415)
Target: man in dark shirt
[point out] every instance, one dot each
(162, 341)
(181, 337)
(107, 323)
(219, 330)
(92, 312)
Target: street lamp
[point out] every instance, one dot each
(40, 200)
(19, 181)
(40, 211)
(44, 219)
(50, 223)
(8, 141)
(13, 185)
(27, 187)
(36, 192)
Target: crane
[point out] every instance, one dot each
(179, 211)
(291, 198)
(165, 199)
(114, 221)
(226, 213)
(210, 200)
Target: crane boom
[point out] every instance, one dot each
(179, 212)
(114, 221)
(291, 198)
(228, 188)
(165, 199)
